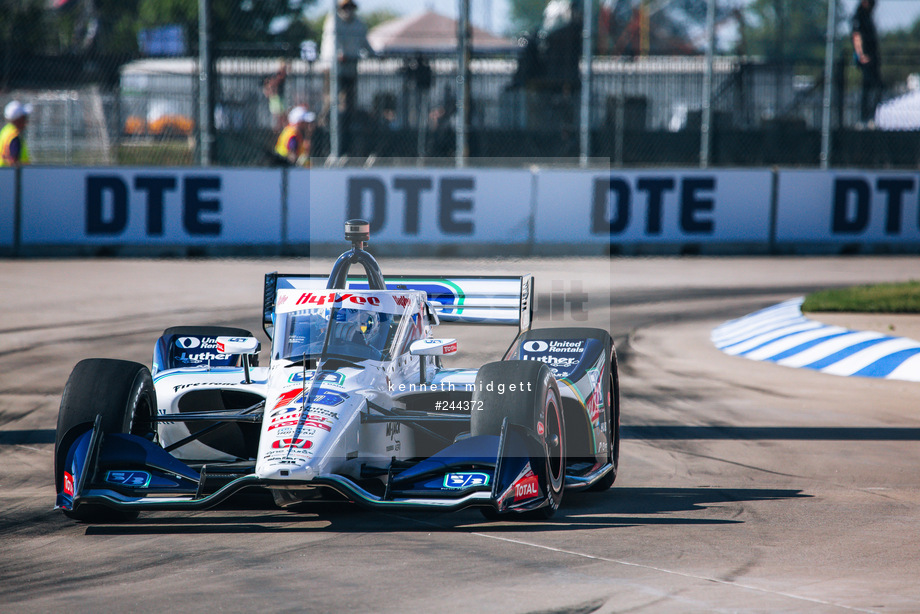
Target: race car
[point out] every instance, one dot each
(355, 404)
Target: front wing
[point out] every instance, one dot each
(506, 473)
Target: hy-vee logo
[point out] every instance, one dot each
(309, 298)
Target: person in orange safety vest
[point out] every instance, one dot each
(13, 150)
(293, 146)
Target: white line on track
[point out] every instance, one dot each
(653, 568)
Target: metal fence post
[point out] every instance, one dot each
(334, 132)
(706, 111)
(463, 78)
(828, 83)
(205, 90)
(587, 55)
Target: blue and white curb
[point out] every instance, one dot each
(781, 334)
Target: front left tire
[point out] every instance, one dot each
(122, 393)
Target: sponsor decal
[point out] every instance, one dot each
(560, 355)
(527, 487)
(540, 428)
(302, 444)
(329, 398)
(315, 413)
(536, 346)
(282, 454)
(450, 348)
(201, 357)
(332, 298)
(465, 480)
(306, 423)
(296, 413)
(194, 343)
(179, 387)
(567, 346)
(328, 378)
(68, 483)
(595, 402)
(133, 479)
(402, 301)
(288, 397)
(555, 361)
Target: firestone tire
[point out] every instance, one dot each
(538, 408)
(122, 393)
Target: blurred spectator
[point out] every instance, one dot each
(273, 88)
(295, 140)
(348, 44)
(441, 125)
(13, 150)
(866, 51)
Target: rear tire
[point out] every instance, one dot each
(122, 393)
(539, 409)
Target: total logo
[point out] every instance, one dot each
(527, 487)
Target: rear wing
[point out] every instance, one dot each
(464, 299)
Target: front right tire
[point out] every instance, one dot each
(538, 408)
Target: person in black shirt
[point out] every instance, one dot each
(866, 52)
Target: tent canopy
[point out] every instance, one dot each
(429, 32)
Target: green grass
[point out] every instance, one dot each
(879, 298)
(156, 153)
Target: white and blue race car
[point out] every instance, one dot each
(355, 403)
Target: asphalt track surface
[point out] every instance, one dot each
(743, 486)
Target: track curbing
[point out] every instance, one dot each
(783, 335)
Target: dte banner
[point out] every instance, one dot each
(422, 206)
(146, 206)
(673, 206)
(7, 206)
(848, 207)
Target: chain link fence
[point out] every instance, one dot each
(111, 89)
